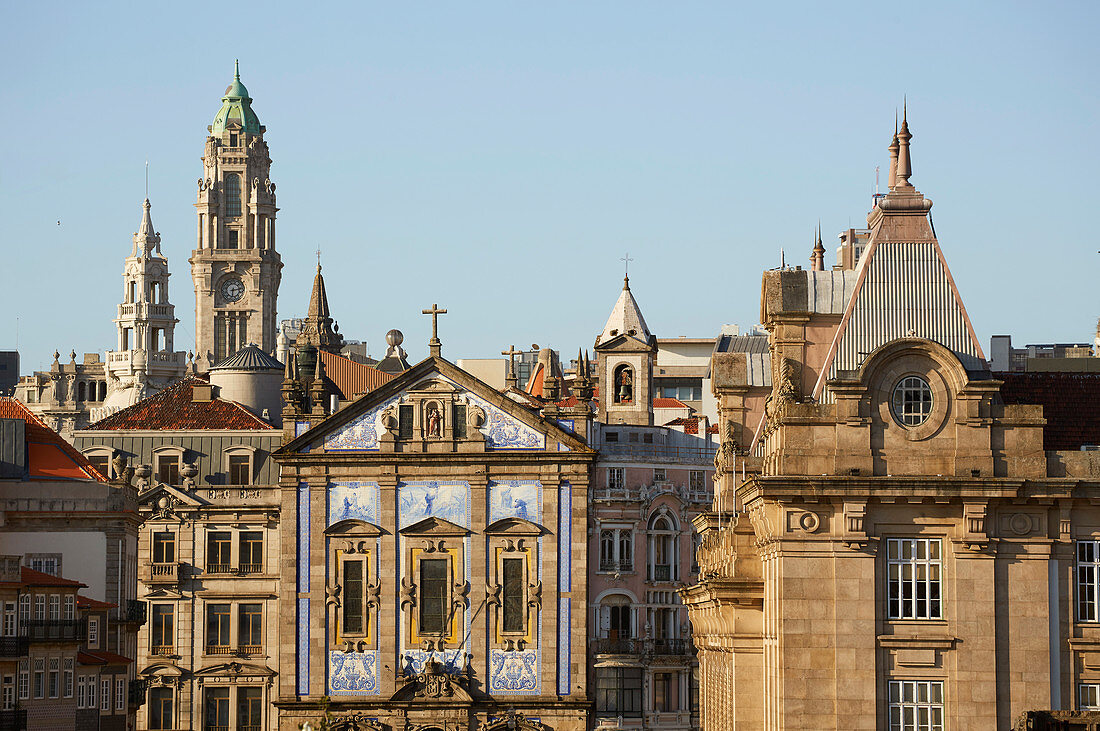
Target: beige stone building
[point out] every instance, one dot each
(434, 576)
(896, 543)
(235, 267)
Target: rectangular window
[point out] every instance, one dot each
(81, 697)
(120, 694)
(434, 575)
(249, 709)
(24, 681)
(240, 469)
(55, 606)
(101, 462)
(217, 629)
(162, 633)
(105, 694)
(215, 709)
(664, 692)
(40, 607)
(513, 595)
(70, 608)
(9, 619)
(1088, 581)
(55, 677)
(914, 570)
(619, 691)
(658, 475)
(1088, 696)
(616, 478)
(40, 677)
(48, 564)
(168, 468)
(218, 547)
(458, 420)
(24, 608)
(353, 598)
(7, 702)
(250, 627)
(405, 421)
(611, 436)
(251, 552)
(91, 691)
(68, 677)
(160, 709)
(916, 705)
(93, 632)
(232, 236)
(697, 480)
(164, 547)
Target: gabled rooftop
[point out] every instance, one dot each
(47, 455)
(176, 409)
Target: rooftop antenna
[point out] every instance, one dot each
(146, 178)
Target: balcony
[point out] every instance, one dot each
(250, 568)
(164, 573)
(13, 646)
(623, 566)
(220, 650)
(670, 646)
(55, 630)
(250, 650)
(162, 650)
(219, 568)
(607, 646)
(12, 719)
(660, 453)
(137, 693)
(133, 611)
(662, 572)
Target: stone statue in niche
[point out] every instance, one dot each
(626, 387)
(434, 422)
(70, 388)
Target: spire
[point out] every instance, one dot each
(236, 110)
(146, 239)
(892, 177)
(626, 317)
(817, 259)
(905, 164)
(318, 328)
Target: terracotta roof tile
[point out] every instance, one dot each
(84, 602)
(49, 457)
(101, 657)
(669, 403)
(351, 378)
(690, 424)
(174, 408)
(1070, 401)
(30, 577)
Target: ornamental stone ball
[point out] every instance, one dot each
(394, 338)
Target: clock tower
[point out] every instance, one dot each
(235, 267)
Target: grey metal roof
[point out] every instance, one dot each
(828, 292)
(742, 344)
(248, 358)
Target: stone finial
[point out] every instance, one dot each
(817, 258)
(905, 163)
(892, 177)
(72, 356)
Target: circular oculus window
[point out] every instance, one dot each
(232, 289)
(911, 402)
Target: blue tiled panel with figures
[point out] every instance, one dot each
(515, 499)
(353, 500)
(361, 433)
(447, 499)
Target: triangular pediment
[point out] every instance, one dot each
(434, 527)
(173, 493)
(515, 527)
(504, 424)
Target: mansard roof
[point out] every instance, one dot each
(175, 408)
(48, 456)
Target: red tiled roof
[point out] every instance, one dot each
(49, 457)
(353, 379)
(690, 424)
(1070, 401)
(30, 577)
(712, 429)
(84, 602)
(101, 657)
(669, 403)
(536, 381)
(175, 408)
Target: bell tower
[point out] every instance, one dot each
(235, 267)
(625, 355)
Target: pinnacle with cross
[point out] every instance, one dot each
(434, 345)
(511, 353)
(626, 270)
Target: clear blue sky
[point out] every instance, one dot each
(499, 158)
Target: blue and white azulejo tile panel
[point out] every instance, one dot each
(353, 673)
(446, 499)
(353, 500)
(514, 673)
(515, 499)
(361, 433)
(505, 432)
(453, 661)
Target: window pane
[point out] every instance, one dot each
(240, 472)
(353, 597)
(434, 575)
(513, 595)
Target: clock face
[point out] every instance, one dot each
(232, 289)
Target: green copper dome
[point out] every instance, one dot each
(236, 108)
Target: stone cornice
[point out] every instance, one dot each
(799, 488)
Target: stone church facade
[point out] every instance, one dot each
(437, 575)
(897, 549)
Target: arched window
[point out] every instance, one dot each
(663, 548)
(607, 551)
(616, 618)
(232, 187)
(102, 390)
(81, 391)
(623, 393)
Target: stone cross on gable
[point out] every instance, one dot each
(434, 345)
(511, 353)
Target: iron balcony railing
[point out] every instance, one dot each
(134, 610)
(659, 453)
(250, 568)
(55, 630)
(662, 572)
(219, 568)
(670, 646)
(162, 650)
(14, 646)
(666, 646)
(607, 646)
(622, 565)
